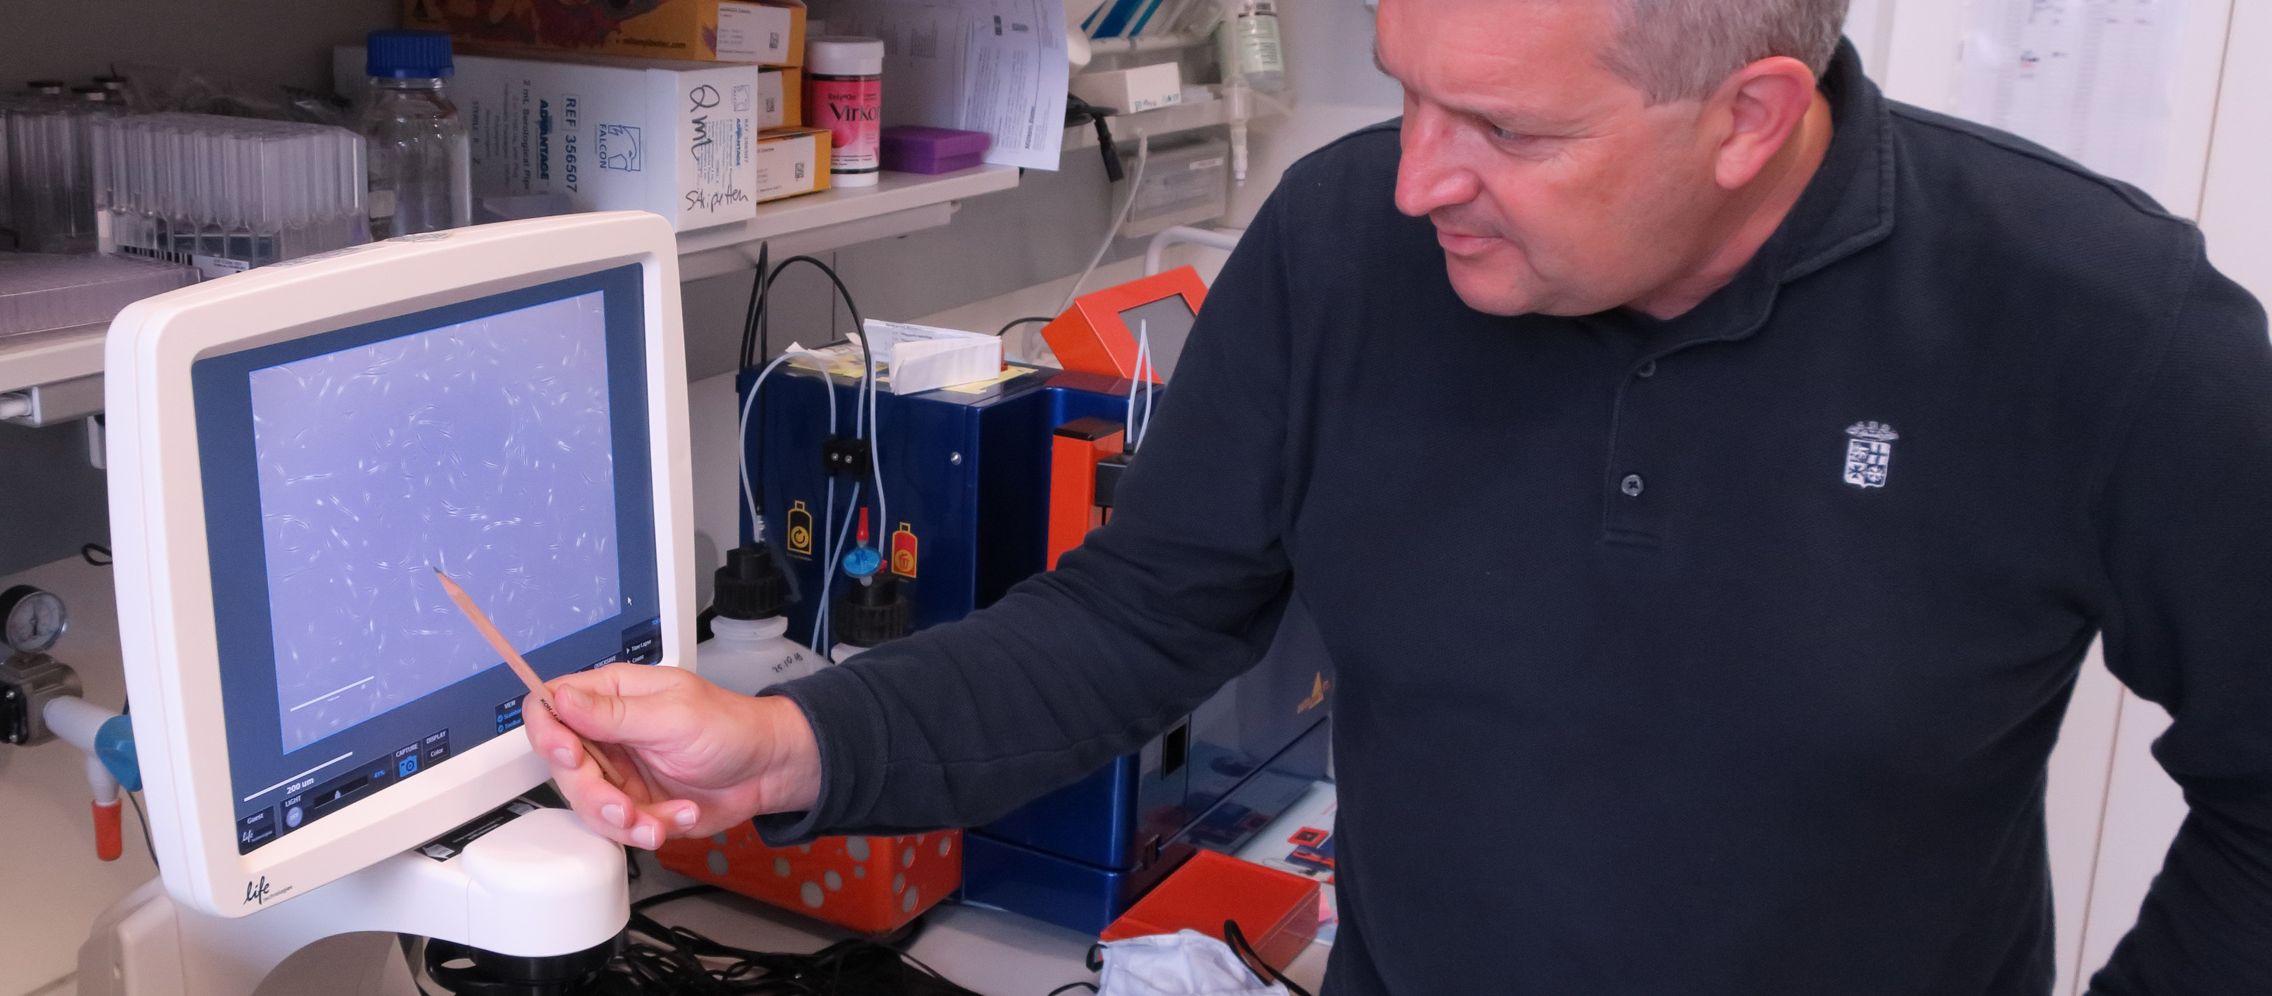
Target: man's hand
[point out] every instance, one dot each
(696, 758)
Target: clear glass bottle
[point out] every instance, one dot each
(419, 160)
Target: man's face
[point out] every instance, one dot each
(1553, 187)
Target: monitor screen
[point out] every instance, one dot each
(502, 440)
(1167, 323)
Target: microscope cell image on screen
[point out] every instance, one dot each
(481, 448)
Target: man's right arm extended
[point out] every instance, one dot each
(962, 723)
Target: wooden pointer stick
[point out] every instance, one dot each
(520, 667)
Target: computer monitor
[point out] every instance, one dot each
(296, 448)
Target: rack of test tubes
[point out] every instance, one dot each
(44, 195)
(222, 193)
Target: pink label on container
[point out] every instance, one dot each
(851, 110)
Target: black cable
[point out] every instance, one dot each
(675, 894)
(87, 552)
(749, 342)
(141, 818)
(1245, 951)
(748, 314)
(754, 332)
(1080, 112)
(859, 327)
(657, 959)
(1015, 322)
(1070, 986)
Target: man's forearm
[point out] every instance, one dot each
(791, 783)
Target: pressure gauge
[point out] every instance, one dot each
(34, 619)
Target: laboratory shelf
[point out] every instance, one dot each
(1126, 128)
(837, 217)
(38, 359)
(901, 203)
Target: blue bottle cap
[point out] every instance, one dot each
(408, 55)
(862, 562)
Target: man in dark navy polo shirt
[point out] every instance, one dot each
(1707, 477)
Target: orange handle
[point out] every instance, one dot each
(108, 834)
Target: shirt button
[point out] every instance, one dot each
(1647, 370)
(1631, 485)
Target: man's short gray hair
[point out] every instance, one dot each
(1684, 49)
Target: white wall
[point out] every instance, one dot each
(54, 883)
(2112, 811)
(2236, 202)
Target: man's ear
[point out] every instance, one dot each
(1760, 107)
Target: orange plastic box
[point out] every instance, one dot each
(873, 885)
(1276, 910)
(1093, 336)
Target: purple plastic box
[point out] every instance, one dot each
(921, 149)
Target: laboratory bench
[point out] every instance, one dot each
(990, 951)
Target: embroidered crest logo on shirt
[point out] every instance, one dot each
(1869, 454)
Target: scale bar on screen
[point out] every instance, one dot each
(334, 693)
(299, 776)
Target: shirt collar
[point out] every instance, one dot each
(1847, 207)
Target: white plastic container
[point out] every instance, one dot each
(747, 656)
(844, 93)
(1250, 44)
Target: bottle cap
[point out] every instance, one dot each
(844, 55)
(752, 585)
(408, 55)
(871, 613)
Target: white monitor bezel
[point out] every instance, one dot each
(158, 528)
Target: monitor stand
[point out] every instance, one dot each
(537, 887)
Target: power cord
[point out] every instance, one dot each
(1015, 322)
(1080, 112)
(864, 427)
(141, 818)
(1119, 219)
(755, 337)
(1004, 333)
(753, 333)
(656, 959)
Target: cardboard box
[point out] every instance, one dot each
(1134, 90)
(791, 161)
(780, 99)
(766, 32)
(672, 137)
